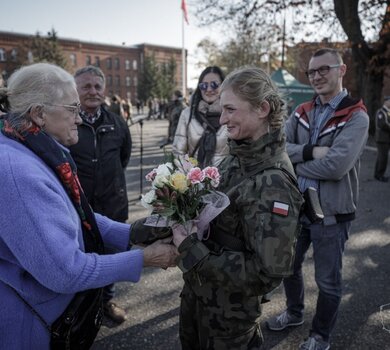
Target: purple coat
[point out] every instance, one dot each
(42, 252)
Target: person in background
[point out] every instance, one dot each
(116, 105)
(251, 243)
(325, 138)
(101, 156)
(51, 243)
(127, 108)
(199, 133)
(382, 138)
(174, 111)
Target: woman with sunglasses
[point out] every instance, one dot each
(199, 133)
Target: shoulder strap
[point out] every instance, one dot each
(33, 311)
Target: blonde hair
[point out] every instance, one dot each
(254, 85)
(31, 86)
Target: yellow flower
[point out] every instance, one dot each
(179, 182)
(193, 161)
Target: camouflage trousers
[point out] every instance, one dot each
(205, 327)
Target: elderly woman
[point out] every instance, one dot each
(251, 243)
(199, 133)
(51, 243)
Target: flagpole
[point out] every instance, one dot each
(183, 58)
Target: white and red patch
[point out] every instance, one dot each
(280, 208)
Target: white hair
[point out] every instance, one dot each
(34, 85)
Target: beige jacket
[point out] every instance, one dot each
(188, 135)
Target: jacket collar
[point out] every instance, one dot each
(262, 152)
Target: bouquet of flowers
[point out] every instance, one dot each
(183, 193)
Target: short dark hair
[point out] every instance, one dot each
(178, 94)
(335, 53)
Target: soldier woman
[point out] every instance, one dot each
(251, 243)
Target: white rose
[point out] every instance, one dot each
(148, 198)
(160, 180)
(164, 169)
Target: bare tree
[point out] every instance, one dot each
(365, 24)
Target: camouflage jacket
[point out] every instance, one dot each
(263, 214)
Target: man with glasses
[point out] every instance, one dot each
(101, 156)
(325, 138)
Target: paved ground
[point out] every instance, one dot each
(152, 304)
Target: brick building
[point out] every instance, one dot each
(122, 65)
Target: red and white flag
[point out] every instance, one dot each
(280, 208)
(184, 8)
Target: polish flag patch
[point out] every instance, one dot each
(280, 208)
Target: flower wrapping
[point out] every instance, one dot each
(182, 192)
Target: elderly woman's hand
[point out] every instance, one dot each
(161, 254)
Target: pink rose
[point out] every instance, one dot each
(212, 173)
(151, 176)
(195, 175)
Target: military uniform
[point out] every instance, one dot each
(382, 138)
(250, 249)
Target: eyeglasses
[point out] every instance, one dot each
(75, 109)
(322, 71)
(213, 85)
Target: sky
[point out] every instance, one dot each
(110, 22)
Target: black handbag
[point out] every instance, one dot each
(312, 207)
(77, 327)
(79, 324)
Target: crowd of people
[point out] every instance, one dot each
(65, 238)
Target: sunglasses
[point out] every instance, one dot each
(322, 71)
(213, 85)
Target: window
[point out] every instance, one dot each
(128, 81)
(30, 57)
(3, 56)
(97, 61)
(14, 55)
(116, 63)
(109, 63)
(73, 59)
(88, 60)
(127, 64)
(128, 95)
(135, 81)
(117, 80)
(109, 80)
(135, 64)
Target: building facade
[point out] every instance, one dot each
(121, 64)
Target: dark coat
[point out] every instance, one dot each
(101, 157)
(382, 123)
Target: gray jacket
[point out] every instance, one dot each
(345, 133)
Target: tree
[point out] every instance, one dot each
(364, 23)
(147, 83)
(42, 49)
(156, 80)
(244, 50)
(166, 82)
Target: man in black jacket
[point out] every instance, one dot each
(101, 156)
(382, 138)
